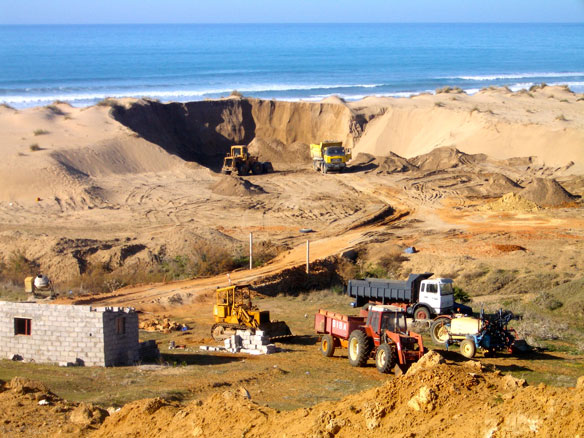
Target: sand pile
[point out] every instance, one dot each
(510, 202)
(547, 193)
(446, 158)
(235, 186)
(393, 163)
(437, 399)
(30, 409)
(279, 153)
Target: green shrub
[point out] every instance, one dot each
(460, 295)
(34, 147)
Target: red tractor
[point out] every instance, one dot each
(380, 332)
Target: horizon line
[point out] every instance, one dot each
(291, 22)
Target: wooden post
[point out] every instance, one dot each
(307, 256)
(250, 250)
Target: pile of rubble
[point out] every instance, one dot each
(244, 341)
(164, 326)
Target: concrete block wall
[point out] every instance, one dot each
(121, 347)
(81, 335)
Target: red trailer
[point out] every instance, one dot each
(380, 332)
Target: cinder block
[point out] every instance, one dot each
(250, 351)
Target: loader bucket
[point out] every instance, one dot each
(276, 329)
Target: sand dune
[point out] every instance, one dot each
(503, 125)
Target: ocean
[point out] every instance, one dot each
(83, 64)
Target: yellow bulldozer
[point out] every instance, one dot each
(234, 310)
(239, 161)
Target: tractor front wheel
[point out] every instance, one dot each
(384, 359)
(327, 346)
(468, 348)
(359, 348)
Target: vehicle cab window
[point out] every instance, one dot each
(431, 288)
(374, 320)
(446, 289)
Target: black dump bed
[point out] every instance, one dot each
(381, 290)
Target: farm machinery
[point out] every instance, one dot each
(234, 310)
(38, 284)
(489, 333)
(379, 332)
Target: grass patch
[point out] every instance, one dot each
(16, 267)
(55, 110)
(34, 147)
(108, 101)
(40, 132)
(561, 118)
(439, 104)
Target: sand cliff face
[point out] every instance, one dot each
(204, 131)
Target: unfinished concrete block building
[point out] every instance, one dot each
(81, 335)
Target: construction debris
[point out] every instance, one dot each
(245, 341)
(164, 326)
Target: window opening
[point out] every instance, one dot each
(22, 326)
(121, 325)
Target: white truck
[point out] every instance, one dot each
(421, 296)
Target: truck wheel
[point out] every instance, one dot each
(384, 359)
(439, 331)
(359, 348)
(267, 167)
(468, 348)
(327, 346)
(421, 313)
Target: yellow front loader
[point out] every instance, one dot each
(234, 310)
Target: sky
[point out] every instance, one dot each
(288, 11)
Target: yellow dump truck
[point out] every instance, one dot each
(329, 155)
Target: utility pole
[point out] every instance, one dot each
(307, 256)
(250, 250)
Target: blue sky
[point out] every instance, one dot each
(286, 11)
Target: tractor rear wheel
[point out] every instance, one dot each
(267, 167)
(327, 346)
(385, 359)
(359, 348)
(439, 331)
(468, 348)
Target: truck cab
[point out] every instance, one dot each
(438, 294)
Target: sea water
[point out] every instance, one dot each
(86, 63)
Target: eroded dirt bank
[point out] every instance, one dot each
(433, 399)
